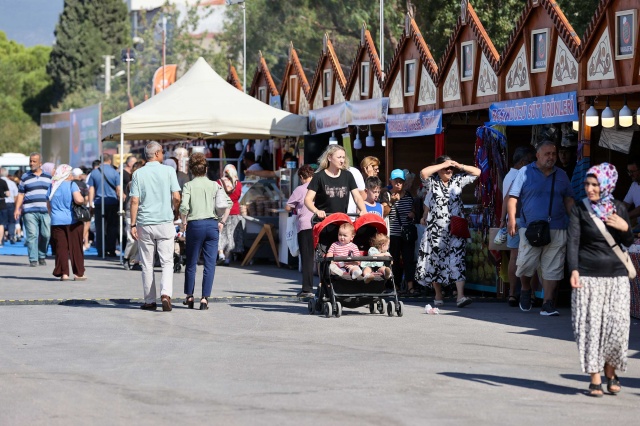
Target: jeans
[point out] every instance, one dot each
(150, 238)
(38, 228)
(201, 235)
(11, 221)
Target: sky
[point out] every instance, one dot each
(30, 22)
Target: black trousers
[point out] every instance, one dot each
(305, 241)
(405, 251)
(110, 235)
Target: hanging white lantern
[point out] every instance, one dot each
(370, 141)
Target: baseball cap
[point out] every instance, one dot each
(397, 174)
(77, 172)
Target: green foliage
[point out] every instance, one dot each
(87, 30)
(24, 88)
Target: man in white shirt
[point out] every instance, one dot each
(633, 196)
(249, 161)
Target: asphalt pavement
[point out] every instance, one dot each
(83, 353)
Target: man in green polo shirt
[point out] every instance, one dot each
(155, 196)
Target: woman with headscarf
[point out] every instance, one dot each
(600, 298)
(66, 230)
(232, 235)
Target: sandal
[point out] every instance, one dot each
(437, 302)
(413, 292)
(595, 390)
(613, 382)
(188, 301)
(512, 301)
(204, 304)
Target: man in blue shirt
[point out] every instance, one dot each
(110, 202)
(532, 186)
(32, 198)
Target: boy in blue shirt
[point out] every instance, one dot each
(372, 188)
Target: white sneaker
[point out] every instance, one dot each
(356, 274)
(368, 278)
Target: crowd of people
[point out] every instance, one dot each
(547, 232)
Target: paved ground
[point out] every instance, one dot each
(269, 362)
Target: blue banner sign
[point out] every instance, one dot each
(549, 109)
(423, 123)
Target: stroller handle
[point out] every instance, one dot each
(315, 219)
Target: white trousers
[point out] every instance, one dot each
(151, 238)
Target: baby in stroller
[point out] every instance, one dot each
(379, 247)
(345, 247)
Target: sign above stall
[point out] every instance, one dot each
(423, 123)
(558, 108)
(356, 113)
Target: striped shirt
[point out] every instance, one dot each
(35, 189)
(349, 249)
(400, 210)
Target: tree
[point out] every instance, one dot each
(87, 30)
(24, 85)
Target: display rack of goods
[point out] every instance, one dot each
(480, 264)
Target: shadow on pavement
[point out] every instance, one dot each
(110, 303)
(492, 380)
(299, 309)
(30, 278)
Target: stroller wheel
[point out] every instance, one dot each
(372, 308)
(327, 309)
(400, 308)
(311, 307)
(391, 308)
(382, 306)
(338, 309)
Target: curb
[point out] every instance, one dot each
(231, 299)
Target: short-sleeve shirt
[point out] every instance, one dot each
(633, 196)
(398, 216)
(13, 190)
(296, 201)
(506, 185)
(61, 213)
(154, 184)
(357, 176)
(112, 180)
(349, 249)
(332, 194)
(3, 188)
(35, 189)
(533, 189)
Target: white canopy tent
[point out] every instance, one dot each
(201, 104)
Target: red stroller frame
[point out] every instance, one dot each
(336, 292)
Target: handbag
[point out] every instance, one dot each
(459, 227)
(622, 255)
(408, 232)
(80, 212)
(538, 233)
(292, 235)
(222, 202)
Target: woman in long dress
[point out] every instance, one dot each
(232, 235)
(441, 258)
(600, 282)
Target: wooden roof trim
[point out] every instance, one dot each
(565, 30)
(481, 36)
(233, 79)
(329, 52)
(294, 62)
(425, 54)
(594, 24)
(366, 43)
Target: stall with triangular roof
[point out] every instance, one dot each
(414, 119)
(232, 77)
(610, 77)
(263, 87)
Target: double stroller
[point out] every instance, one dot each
(336, 292)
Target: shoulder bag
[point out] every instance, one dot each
(222, 201)
(622, 255)
(538, 233)
(408, 232)
(458, 225)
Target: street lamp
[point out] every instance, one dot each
(244, 34)
(382, 34)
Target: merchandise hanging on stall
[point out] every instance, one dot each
(490, 156)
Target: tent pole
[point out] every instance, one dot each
(102, 238)
(120, 196)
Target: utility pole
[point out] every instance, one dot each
(164, 48)
(107, 74)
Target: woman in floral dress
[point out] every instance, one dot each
(441, 258)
